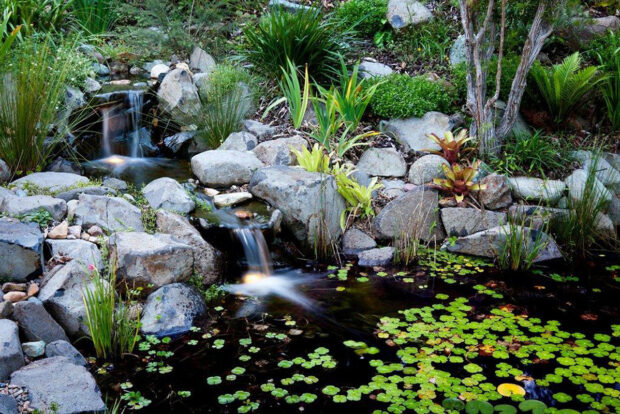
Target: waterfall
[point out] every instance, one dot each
(136, 101)
(255, 249)
(106, 144)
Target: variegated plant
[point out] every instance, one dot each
(459, 180)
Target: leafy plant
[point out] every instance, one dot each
(35, 15)
(94, 16)
(313, 161)
(564, 86)
(521, 245)
(458, 181)
(328, 121)
(347, 141)
(303, 38)
(450, 146)
(357, 196)
(610, 89)
(367, 17)
(403, 96)
(7, 37)
(296, 97)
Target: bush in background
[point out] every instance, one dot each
(366, 16)
(403, 96)
(509, 68)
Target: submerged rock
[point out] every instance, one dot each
(171, 310)
(168, 194)
(412, 133)
(223, 168)
(11, 355)
(21, 249)
(382, 162)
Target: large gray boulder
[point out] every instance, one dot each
(35, 323)
(11, 355)
(355, 241)
(427, 168)
(577, 183)
(178, 95)
(537, 189)
(65, 349)
(177, 141)
(8, 404)
(151, 259)
(414, 214)
(201, 61)
(402, 13)
(382, 162)
(309, 201)
(168, 194)
(465, 221)
(51, 181)
(605, 172)
(490, 243)
(376, 257)
(58, 382)
(239, 141)
(207, 259)
(496, 194)
(82, 251)
(62, 295)
(109, 213)
(171, 310)
(21, 249)
(412, 133)
(22, 206)
(223, 168)
(279, 151)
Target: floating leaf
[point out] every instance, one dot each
(535, 406)
(453, 404)
(507, 389)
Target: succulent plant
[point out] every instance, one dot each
(451, 146)
(459, 180)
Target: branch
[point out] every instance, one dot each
(498, 75)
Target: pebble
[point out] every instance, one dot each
(14, 297)
(14, 287)
(244, 214)
(34, 349)
(95, 231)
(74, 232)
(211, 192)
(33, 289)
(20, 395)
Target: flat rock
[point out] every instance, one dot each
(51, 181)
(35, 323)
(310, 202)
(402, 13)
(21, 249)
(412, 133)
(490, 242)
(258, 129)
(427, 168)
(109, 213)
(278, 151)
(115, 183)
(497, 193)
(72, 391)
(415, 212)
(171, 310)
(355, 241)
(223, 168)
(382, 162)
(465, 221)
(536, 189)
(369, 69)
(8, 404)
(230, 199)
(22, 206)
(577, 182)
(74, 193)
(65, 349)
(201, 60)
(146, 259)
(376, 257)
(11, 355)
(84, 252)
(168, 194)
(239, 141)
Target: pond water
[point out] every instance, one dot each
(393, 341)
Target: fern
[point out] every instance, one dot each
(564, 86)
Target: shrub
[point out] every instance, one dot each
(564, 86)
(7, 37)
(402, 96)
(509, 68)
(606, 50)
(366, 16)
(426, 43)
(304, 38)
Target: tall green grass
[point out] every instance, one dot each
(521, 245)
(94, 16)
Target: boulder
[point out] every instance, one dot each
(614, 210)
(402, 13)
(427, 168)
(6, 309)
(355, 241)
(72, 391)
(201, 61)
(91, 85)
(310, 202)
(115, 183)
(159, 69)
(168, 194)
(382, 162)
(605, 172)
(178, 95)
(33, 349)
(151, 259)
(84, 252)
(36, 324)
(206, 257)
(230, 199)
(5, 171)
(74, 194)
(412, 133)
(21, 249)
(223, 168)
(465, 221)
(176, 142)
(583, 30)
(239, 141)
(65, 349)
(279, 151)
(577, 183)
(8, 404)
(497, 193)
(613, 159)
(260, 130)
(11, 355)
(109, 213)
(171, 310)
(369, 69)
(376, 257)
(62, 295)
(22, 206)
(536, 189)
(51, 181)
(491, 242)
(458, 53)
(415, 213)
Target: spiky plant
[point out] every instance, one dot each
(451, 146)
(459, 181)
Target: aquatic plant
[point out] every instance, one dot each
(459, 180)
(452, 146)
(521, 245)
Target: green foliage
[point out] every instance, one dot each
(36, 15)
(7, 37)
(521, 245)
(42, 217)
(313, 161)
(509, 69)
(606, 50)
(357, 196)
(536, 154)
(29, 102)
(295, 96)
(366, 16)
(94, 16)
(564, 86)
(303, 38)
(226, 78)
(78, 66)
(427, 44)
(402, 96)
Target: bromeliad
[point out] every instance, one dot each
(459, 180)
(452, 147)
